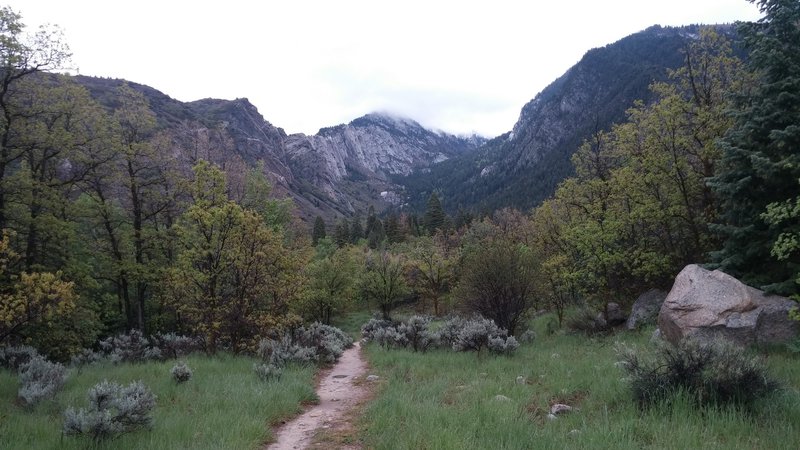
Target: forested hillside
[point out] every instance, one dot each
(523, 167)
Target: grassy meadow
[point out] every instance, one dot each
(223, 406)
(446, 400)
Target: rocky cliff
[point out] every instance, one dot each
(369, 150)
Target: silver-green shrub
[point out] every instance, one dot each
(328, 342)
(711, 373)
(85, 357)
(448, 332)
(113, 409)
(316, 343)
(413, 333)
(478, 333)
(40, 379)
(373, 326)
(181, 373)
(278, 353)
(130, 347)
(267, 372)
(13, 357)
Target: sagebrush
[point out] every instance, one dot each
(711, 373)
(113, 409)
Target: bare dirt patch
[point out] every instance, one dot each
(342, 392)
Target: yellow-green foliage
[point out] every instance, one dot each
(33, 298)
(235, 278)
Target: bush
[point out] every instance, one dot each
(130, 347)
(328, 342)
(413, 333)
(714, 373)
(527, 337)
(13, 357)
(374, 325)
(112, 410)
(389, 338)
(480, 333)
(181, 372)
(85, 357)
(448, 333)
(317, 343)
(586, 321)
(40, 379)
(267, 372)
(280, 352)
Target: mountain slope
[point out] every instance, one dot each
(337, 172)
(524, 166)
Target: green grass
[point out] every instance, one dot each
(445, 400)
(223, 406)
(351, 322)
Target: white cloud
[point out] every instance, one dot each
(460, 66)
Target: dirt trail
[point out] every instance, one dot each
(342, 388)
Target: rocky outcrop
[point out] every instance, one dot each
(353, 164)
(645, 309)
(707, 305)
(373, 146)
(614, 315)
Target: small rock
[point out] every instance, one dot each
(555, 356)
(483, 374)
(501, 398)
(656, 337)
(614, 314)
(574, 432)
(552, 417)
(520, 380)
(373, 378)
(560, 408)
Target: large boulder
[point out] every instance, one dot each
(707, 305)
(645, 309)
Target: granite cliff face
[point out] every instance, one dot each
(369, 149)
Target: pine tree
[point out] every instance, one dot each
(342, 233)
(392, 227)
(318, 231)
(375, 233)
(761, 162)
(434, 214)
(356, 230)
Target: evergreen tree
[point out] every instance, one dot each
(394, 233)
(434, 214)
(356, 230)
(342, 233)
(318, 231)
(375, 232)
(761, 162)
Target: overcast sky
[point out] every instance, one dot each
(459, 66)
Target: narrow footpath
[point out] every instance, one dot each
(342, 388)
